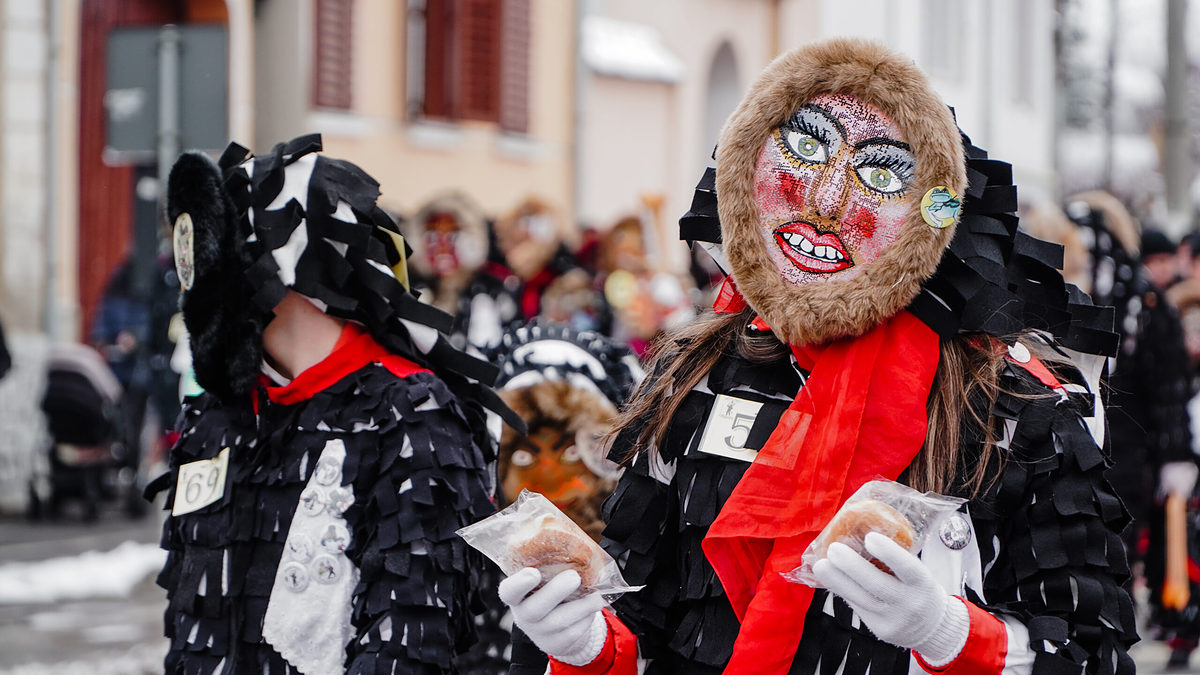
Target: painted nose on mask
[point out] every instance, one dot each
(829, 194)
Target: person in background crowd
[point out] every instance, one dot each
(132, 331)
(645, 300)
(1159, 257)
(530, 256)
(316, 486)
(1149, 387)
(450, 242)
(883, 317)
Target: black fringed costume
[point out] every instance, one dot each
(328, 543)
(1047, 529)
(416, 475)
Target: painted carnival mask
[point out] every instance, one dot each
(832, 188)
(548, 460)
(441, 242)
(840, 176)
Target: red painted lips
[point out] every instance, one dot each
(812, 252)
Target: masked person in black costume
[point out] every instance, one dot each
(1148, 393)
(316, 487)
(883, 317)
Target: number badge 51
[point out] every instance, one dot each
(728, 428)
(200, 483)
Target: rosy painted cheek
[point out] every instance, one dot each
(780, 189)
(870, 227)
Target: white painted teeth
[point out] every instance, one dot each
(800, 243)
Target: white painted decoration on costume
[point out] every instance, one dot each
(308, 615)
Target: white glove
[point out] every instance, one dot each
(1178, 478)
(572, 632)
(910, 609)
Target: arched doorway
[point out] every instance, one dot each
(722, 94)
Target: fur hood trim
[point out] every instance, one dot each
(820, 311)
(560, 404)
(472, 227)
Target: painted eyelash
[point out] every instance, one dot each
(902, 168)
(798, 123)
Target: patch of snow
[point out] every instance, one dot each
(94, 574)
(629, 50)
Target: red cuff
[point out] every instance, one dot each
(985, 650)
(618, 656)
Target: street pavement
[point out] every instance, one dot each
(123, 636)
(97, 636)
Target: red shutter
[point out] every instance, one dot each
(439, 45)
(477, 61)
(333, 46)
(514, 67)
(479, 25)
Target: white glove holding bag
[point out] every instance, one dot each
(573, 631)
(910, 609)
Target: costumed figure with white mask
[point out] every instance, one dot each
(450, 242)
(883, 318)
(316, 486)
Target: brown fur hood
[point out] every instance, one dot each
(820, 311)
(560, 404)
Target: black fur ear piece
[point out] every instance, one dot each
(224, 328)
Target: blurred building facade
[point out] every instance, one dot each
(600, 108)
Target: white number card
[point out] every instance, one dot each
(200, 483)
(728, 428)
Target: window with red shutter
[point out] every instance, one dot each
(475, 60)
(332, 83)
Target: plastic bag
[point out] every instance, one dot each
(532, 532)
(883, 506)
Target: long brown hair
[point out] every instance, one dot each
(965, 371)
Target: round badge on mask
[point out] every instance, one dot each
(182, 240)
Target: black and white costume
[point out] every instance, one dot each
(312, 526)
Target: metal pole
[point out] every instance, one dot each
(1177, 150)
(146, 242)
(168, 104)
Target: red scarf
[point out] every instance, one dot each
(861, 414)
(354, 349)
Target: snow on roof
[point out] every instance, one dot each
(628, 50)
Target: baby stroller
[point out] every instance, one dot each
(82, 415)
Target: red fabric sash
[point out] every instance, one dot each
(861, 414)
(354, 349)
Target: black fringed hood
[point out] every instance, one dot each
(249, 228)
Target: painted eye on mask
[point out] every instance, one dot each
(806, 147)
(571, 455)
(522, 458)
(880, 179)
